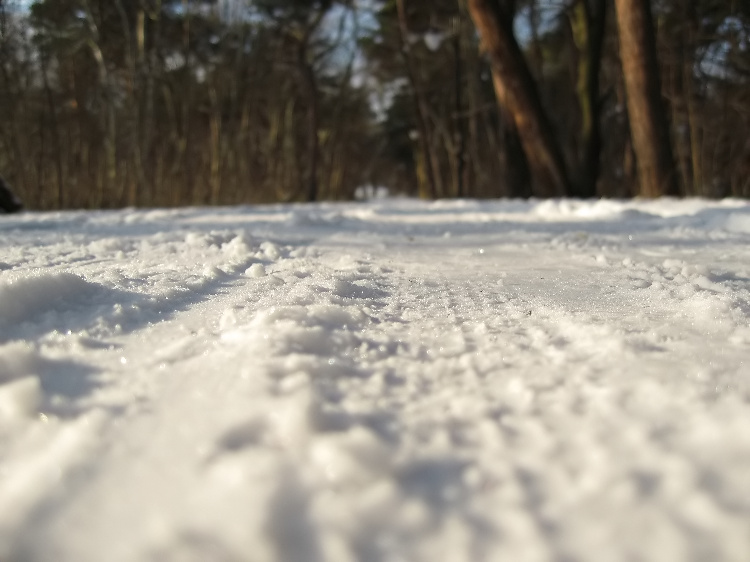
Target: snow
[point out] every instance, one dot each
(382, 381)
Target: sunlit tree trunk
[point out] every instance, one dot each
(646, 112)
(517, 93)
(131, 52)
(186, 167)
(109, 126)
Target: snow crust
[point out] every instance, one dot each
(384, 381)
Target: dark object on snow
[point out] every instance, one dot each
(9, 203)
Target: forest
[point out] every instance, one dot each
(143, 103)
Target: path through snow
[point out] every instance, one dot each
(527, 381)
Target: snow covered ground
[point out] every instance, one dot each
(386, 381)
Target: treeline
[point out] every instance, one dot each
(110, 103)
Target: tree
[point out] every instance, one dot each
(647, 115)
(587, 22)
(250, 101)
(517, 92)
(169, 102)
(429, 161)
(301, 20)
(704, 54)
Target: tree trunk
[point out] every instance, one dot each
(517, 92)
(310, 86)
(587, 23)
(185, 168)
(517, 173)
(109, 122)
(646, 113)
(134, 184)
(420, 106)
(60, 193)
(458, 119)
(214, 146)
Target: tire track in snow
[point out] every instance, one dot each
(365, 413)
(590, 407)
(68, 316)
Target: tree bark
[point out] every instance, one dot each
(517, 92)
(60, 191)
(587, 23)
(646, 113)
(310, 86)
(458, 120)
(420, 106)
